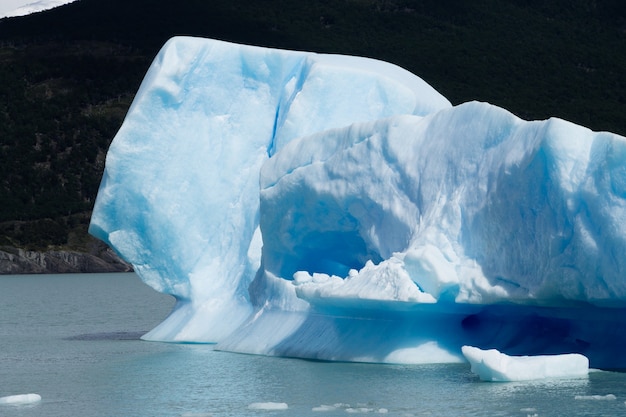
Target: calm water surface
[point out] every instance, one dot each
(74, 340)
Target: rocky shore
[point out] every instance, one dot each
(20, 261)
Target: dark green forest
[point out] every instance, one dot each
(68, 75)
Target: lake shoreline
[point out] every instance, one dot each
(17, 261)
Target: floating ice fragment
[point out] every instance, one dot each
(324, 408)
(20, 399)
(491, 365)
(268, 406)
(359, 410)
(609, 397)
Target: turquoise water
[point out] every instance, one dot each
(74, 340)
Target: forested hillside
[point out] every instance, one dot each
(68, 75)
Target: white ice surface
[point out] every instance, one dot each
(607, 397)
(492, 365)
(268, 406)
(13, 8)
(20, 399)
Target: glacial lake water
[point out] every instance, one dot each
(74, 340)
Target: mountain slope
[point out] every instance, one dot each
(68, 75)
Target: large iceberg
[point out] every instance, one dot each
(339, 208)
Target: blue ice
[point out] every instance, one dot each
(340, 208)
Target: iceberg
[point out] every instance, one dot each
(339, 208)
(494, 366)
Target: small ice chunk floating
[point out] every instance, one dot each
(492, 365)
(20, 399)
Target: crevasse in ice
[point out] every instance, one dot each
(339, 208)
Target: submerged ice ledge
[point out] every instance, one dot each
(339, 208)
